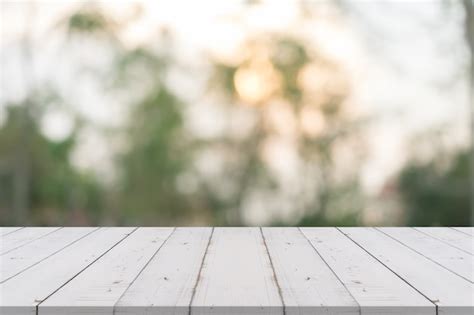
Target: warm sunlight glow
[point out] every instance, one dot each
(234, 113)
(312, 78)
(280, 117)
(257, 82)
(312, 121)
(321, 81)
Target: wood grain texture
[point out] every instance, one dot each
(452, 237)
(468, 230)
(98, 289)
(166, 285)
(237, 276)
(451, 293)
(23, 293)
(4, 230)
(236, 271)
(17, 260)
(307, 284)
(377, 289)
(451, 258)
(22, 237)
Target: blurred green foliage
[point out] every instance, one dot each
(155, 155)
(436, 192)
(158, 180)
(38, 184)
(89, 21)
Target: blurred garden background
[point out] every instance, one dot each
(236, 112)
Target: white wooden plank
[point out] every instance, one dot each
(468, 230)
(451, 258)
(21, 294)
(307, 284)
(451, 293)
(166, 284)
(452, 237)
(374, 287)
(26, 256)
(237, 276)
(98, 289)
(4, 230)
(237, 273)
(22, 237)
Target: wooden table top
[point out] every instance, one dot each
(166, 270)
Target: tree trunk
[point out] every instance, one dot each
(469, 33)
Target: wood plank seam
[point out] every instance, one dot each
(335, 274)
(29, 240)
(274, 273)
(452, 294)
(236, 277)
(396, 274)
(143, 268)
(452, 228)
(200, 272)
(402, 253)
(166, 285)
(422, 254)
(441, 240)
(13, 231)
(54, 253)
(83, 269)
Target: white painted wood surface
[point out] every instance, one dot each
(308, 285)
(451, 258)
(22, 237)
(467, 230)
(451, 293)
(374, 287)
(97, 289)
(167, 284)
(23, 293)
(237, 276)
(236, 271)
(4, 230)
(26, 256)
(452, 237)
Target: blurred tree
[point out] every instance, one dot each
(440, 190)
(38, 184)
(299, 146)
(436, 192)
(278, 76)
(468, 6)
(297, 99)
(157, 150)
